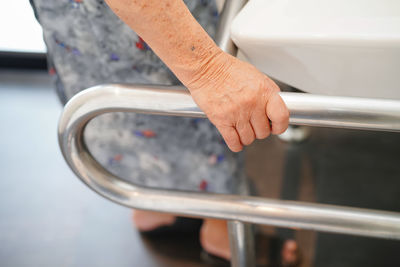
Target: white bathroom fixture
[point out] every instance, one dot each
(340, 47)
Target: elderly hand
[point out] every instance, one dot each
(239, 100)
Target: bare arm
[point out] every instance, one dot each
(235, 96)
(171, 31)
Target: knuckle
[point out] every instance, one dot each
(241, 125)
(270, 86)
(247, 101)
(251, 102)
(283, 117)
(263, 135)
(233, 143)
(248, 140)
(231, 140)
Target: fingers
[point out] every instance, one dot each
(245, 132)
(231, 138)
(274, 119)
(259, 122)
(277, 113)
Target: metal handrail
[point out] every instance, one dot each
(304, 109)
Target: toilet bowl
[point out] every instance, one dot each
(340, 47)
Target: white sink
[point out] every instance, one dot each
(334, 47)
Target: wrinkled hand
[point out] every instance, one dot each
(239, 100)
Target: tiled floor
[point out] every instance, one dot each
(49, 218)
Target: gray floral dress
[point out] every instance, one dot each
(89, 45)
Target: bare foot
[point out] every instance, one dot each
(214, 238)
(290, 254)
(149, 220)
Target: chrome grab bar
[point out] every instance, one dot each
(304, 109)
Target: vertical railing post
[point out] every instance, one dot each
(223, 35)
(241, 239)
(241, 236)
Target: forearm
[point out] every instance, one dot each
(171, 31)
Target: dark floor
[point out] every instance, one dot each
(49, 218)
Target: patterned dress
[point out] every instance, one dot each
(89, 45)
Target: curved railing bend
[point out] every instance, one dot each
(304, 109)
